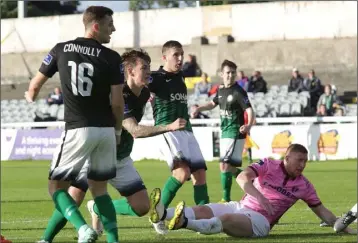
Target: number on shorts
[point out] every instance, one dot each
(78, 79)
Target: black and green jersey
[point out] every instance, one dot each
(233, 101)
(134, 107)
(170, 102)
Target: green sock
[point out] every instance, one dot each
(201, 196)
(121, 206)
(170, 189)
(68, 208)
(237, 172)
(107, 214)
(226, 182)
(55, 224)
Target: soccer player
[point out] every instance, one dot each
(271, 187)
(89, 74)
(348, 218)
(127, 181)
(4, 240)
(181, 148)
(233, 102)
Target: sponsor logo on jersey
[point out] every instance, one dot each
(178, 97)
(47, 59)
(229, 98)
(281, 190)
(226, 113)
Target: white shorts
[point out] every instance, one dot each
(183, 146)
(260, 225)
(97, 145)
(127, 180)
(231, 151)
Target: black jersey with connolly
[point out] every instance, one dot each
(170, 102)
(87, 70)
(233, 101)
(134, 108)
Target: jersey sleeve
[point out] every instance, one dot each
(153, 83)
(117, 71)
(261, 167)
(216, 98)
(244, 101)
(128, 108)
(49, 64)
(311, 197)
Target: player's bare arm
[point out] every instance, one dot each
(250, 120)
(244, 179)
(35, 87)
(141, 131)
(117, 106)
(327, 216)
(208, 106)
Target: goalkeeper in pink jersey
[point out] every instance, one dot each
(271, 188)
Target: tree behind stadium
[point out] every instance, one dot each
(39, 8)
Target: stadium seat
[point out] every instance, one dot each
(275, 88)
(60, 114)
(274, 106)
(296, 109)
(259, 95)
(305, 93)
(285, 109)
(53, 109)
(250, 95)
(284, 88)
(261, 110)
(303, 100)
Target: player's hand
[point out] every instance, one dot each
(178, 124)
(245, 129)
(28, 98)
(265, 203)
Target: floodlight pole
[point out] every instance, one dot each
(21, 9)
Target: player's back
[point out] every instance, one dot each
(86, 73)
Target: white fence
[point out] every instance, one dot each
(326, 138)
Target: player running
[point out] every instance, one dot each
(233, 102)
(89, 74)
(271, 187)
(127, 181)
(348, 218)
(181, 148)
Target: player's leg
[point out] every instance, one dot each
(198, 170)
(230, 159)
(174, 145)
(102, 167)
(67, 162)
(77, 191)
(348, 218)
(228, 218)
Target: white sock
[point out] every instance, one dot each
(204, 225)
(189, 213)
(354, 209)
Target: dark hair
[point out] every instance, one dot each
(298, 148)
(130, 57)
(227, 63)
(95, 13)
(171, 44)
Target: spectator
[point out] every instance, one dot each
(191, 67)
(328, 103)
(55, 97)
(243, 81)
(296, 82)
(202, 87)
(257, 83)
(199, 115)
(313, 85)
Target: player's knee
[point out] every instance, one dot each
(199, 177)
(181, 172)
(141, 209)
(139, 202)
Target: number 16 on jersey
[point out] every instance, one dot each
(79, 82)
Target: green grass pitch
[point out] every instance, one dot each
(26, 205)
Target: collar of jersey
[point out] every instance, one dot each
(88, 39)
(161, 69)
